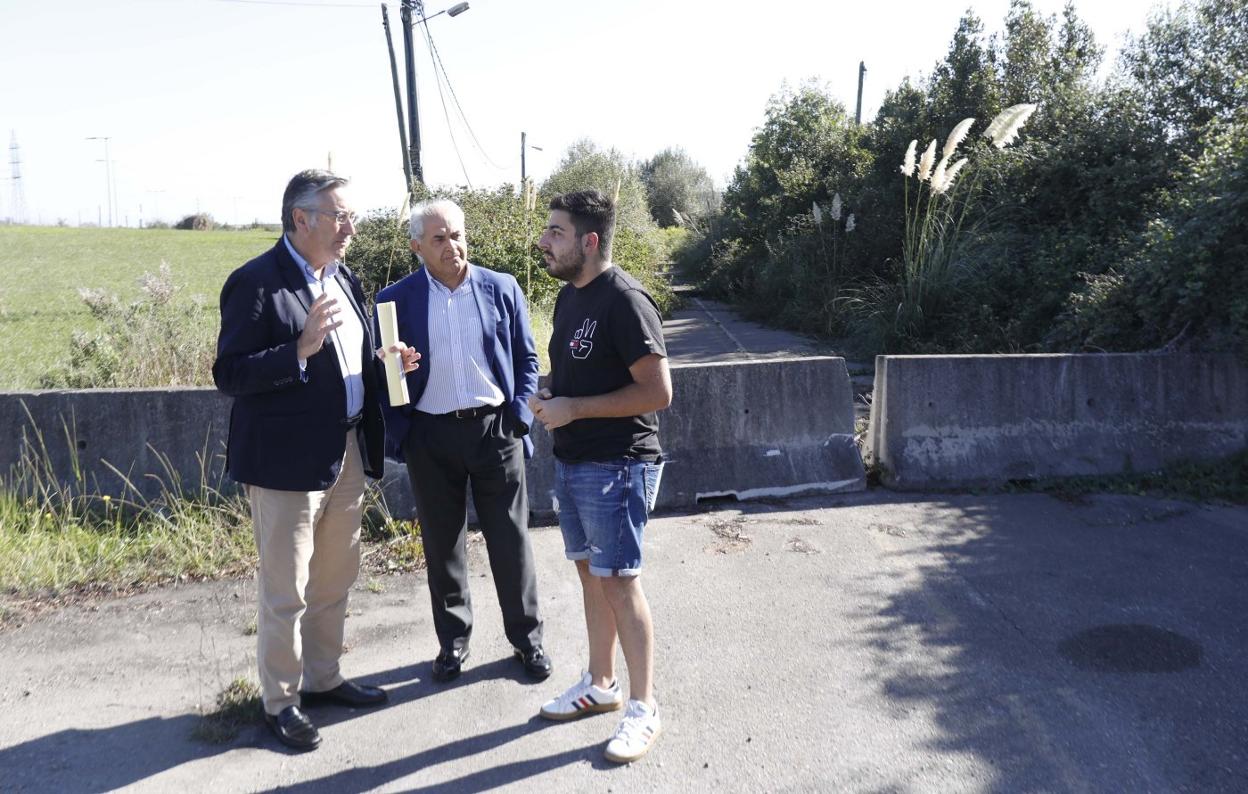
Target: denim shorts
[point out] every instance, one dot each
(603, 508)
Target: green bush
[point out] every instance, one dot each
(156, 340)
(1115, 224)
(502, 235)
(1186, 283)
(199, 222)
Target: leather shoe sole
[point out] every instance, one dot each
(348, 693)
(448, 664)
(536, 663)
(293, 729)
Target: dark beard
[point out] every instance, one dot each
(569, 269)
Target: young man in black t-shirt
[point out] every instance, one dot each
(608, 378)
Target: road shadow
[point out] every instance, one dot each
(1092, 646)
(365, 778)
(106, 759)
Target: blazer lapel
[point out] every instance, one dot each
(418, 310)
(483, 291)
(293, 275)
(345, 286)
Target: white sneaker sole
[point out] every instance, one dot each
(597, 708)
(628, 759)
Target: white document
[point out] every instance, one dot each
(395, 379)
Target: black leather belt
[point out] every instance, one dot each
(353, 420)
(471, 413)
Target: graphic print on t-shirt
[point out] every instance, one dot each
(583, 340)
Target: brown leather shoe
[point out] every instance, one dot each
(293, 729)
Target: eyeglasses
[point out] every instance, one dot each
(341, 217)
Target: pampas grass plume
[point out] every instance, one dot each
(956, 137)
(1004, 128)
(907, 165)
(926, 161)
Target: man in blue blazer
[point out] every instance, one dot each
(468, 422)
(295, 353)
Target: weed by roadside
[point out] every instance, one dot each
(238, 707)
(1223, 481)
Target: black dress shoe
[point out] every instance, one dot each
(536, 663)
(348, 693)
(448, 663)
(293, 728)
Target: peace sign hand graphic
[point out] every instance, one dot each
(582, 341)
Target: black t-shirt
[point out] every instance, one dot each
(600, 330)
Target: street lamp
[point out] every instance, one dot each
(524, 147)
(108, 173)
(407, 9)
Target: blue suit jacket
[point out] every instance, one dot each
(287, 431)
(504, 329)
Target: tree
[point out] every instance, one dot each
(587, 167)
(1189, 66)
(677, 187)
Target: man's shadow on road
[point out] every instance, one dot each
(101, 759)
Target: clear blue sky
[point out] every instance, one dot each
(212, 105)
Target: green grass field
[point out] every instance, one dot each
(44, 267)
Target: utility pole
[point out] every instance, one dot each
(409, 59)
(17, 210)
(524, 148)
(862, 70)
(398, 102)
(108, 173)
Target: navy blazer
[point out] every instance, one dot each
(288, 432)
(508, 346)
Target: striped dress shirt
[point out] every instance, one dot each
(459, 372)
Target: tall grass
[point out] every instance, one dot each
(937, 208)
(63, 534)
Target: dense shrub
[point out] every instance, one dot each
(502, 235)
(1082, 237)
(200, 222)
(160, 339)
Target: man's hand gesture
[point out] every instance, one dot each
(322, 320)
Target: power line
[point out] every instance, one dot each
(445, 113)
(437, 55)
(294, 3)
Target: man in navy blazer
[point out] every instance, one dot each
(468, 422)
(295, 353)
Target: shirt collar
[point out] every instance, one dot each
(330, 271)
(466, 284)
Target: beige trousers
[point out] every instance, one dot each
(309, 546)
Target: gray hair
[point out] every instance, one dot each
(302, 192)
(427, 209)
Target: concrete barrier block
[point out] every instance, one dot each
(959, 421)
(745, 430)
(102, 439)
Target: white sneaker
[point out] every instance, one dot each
(636, 733)
(583, 698)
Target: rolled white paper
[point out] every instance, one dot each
(395, 380)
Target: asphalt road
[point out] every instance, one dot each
(870, 642)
